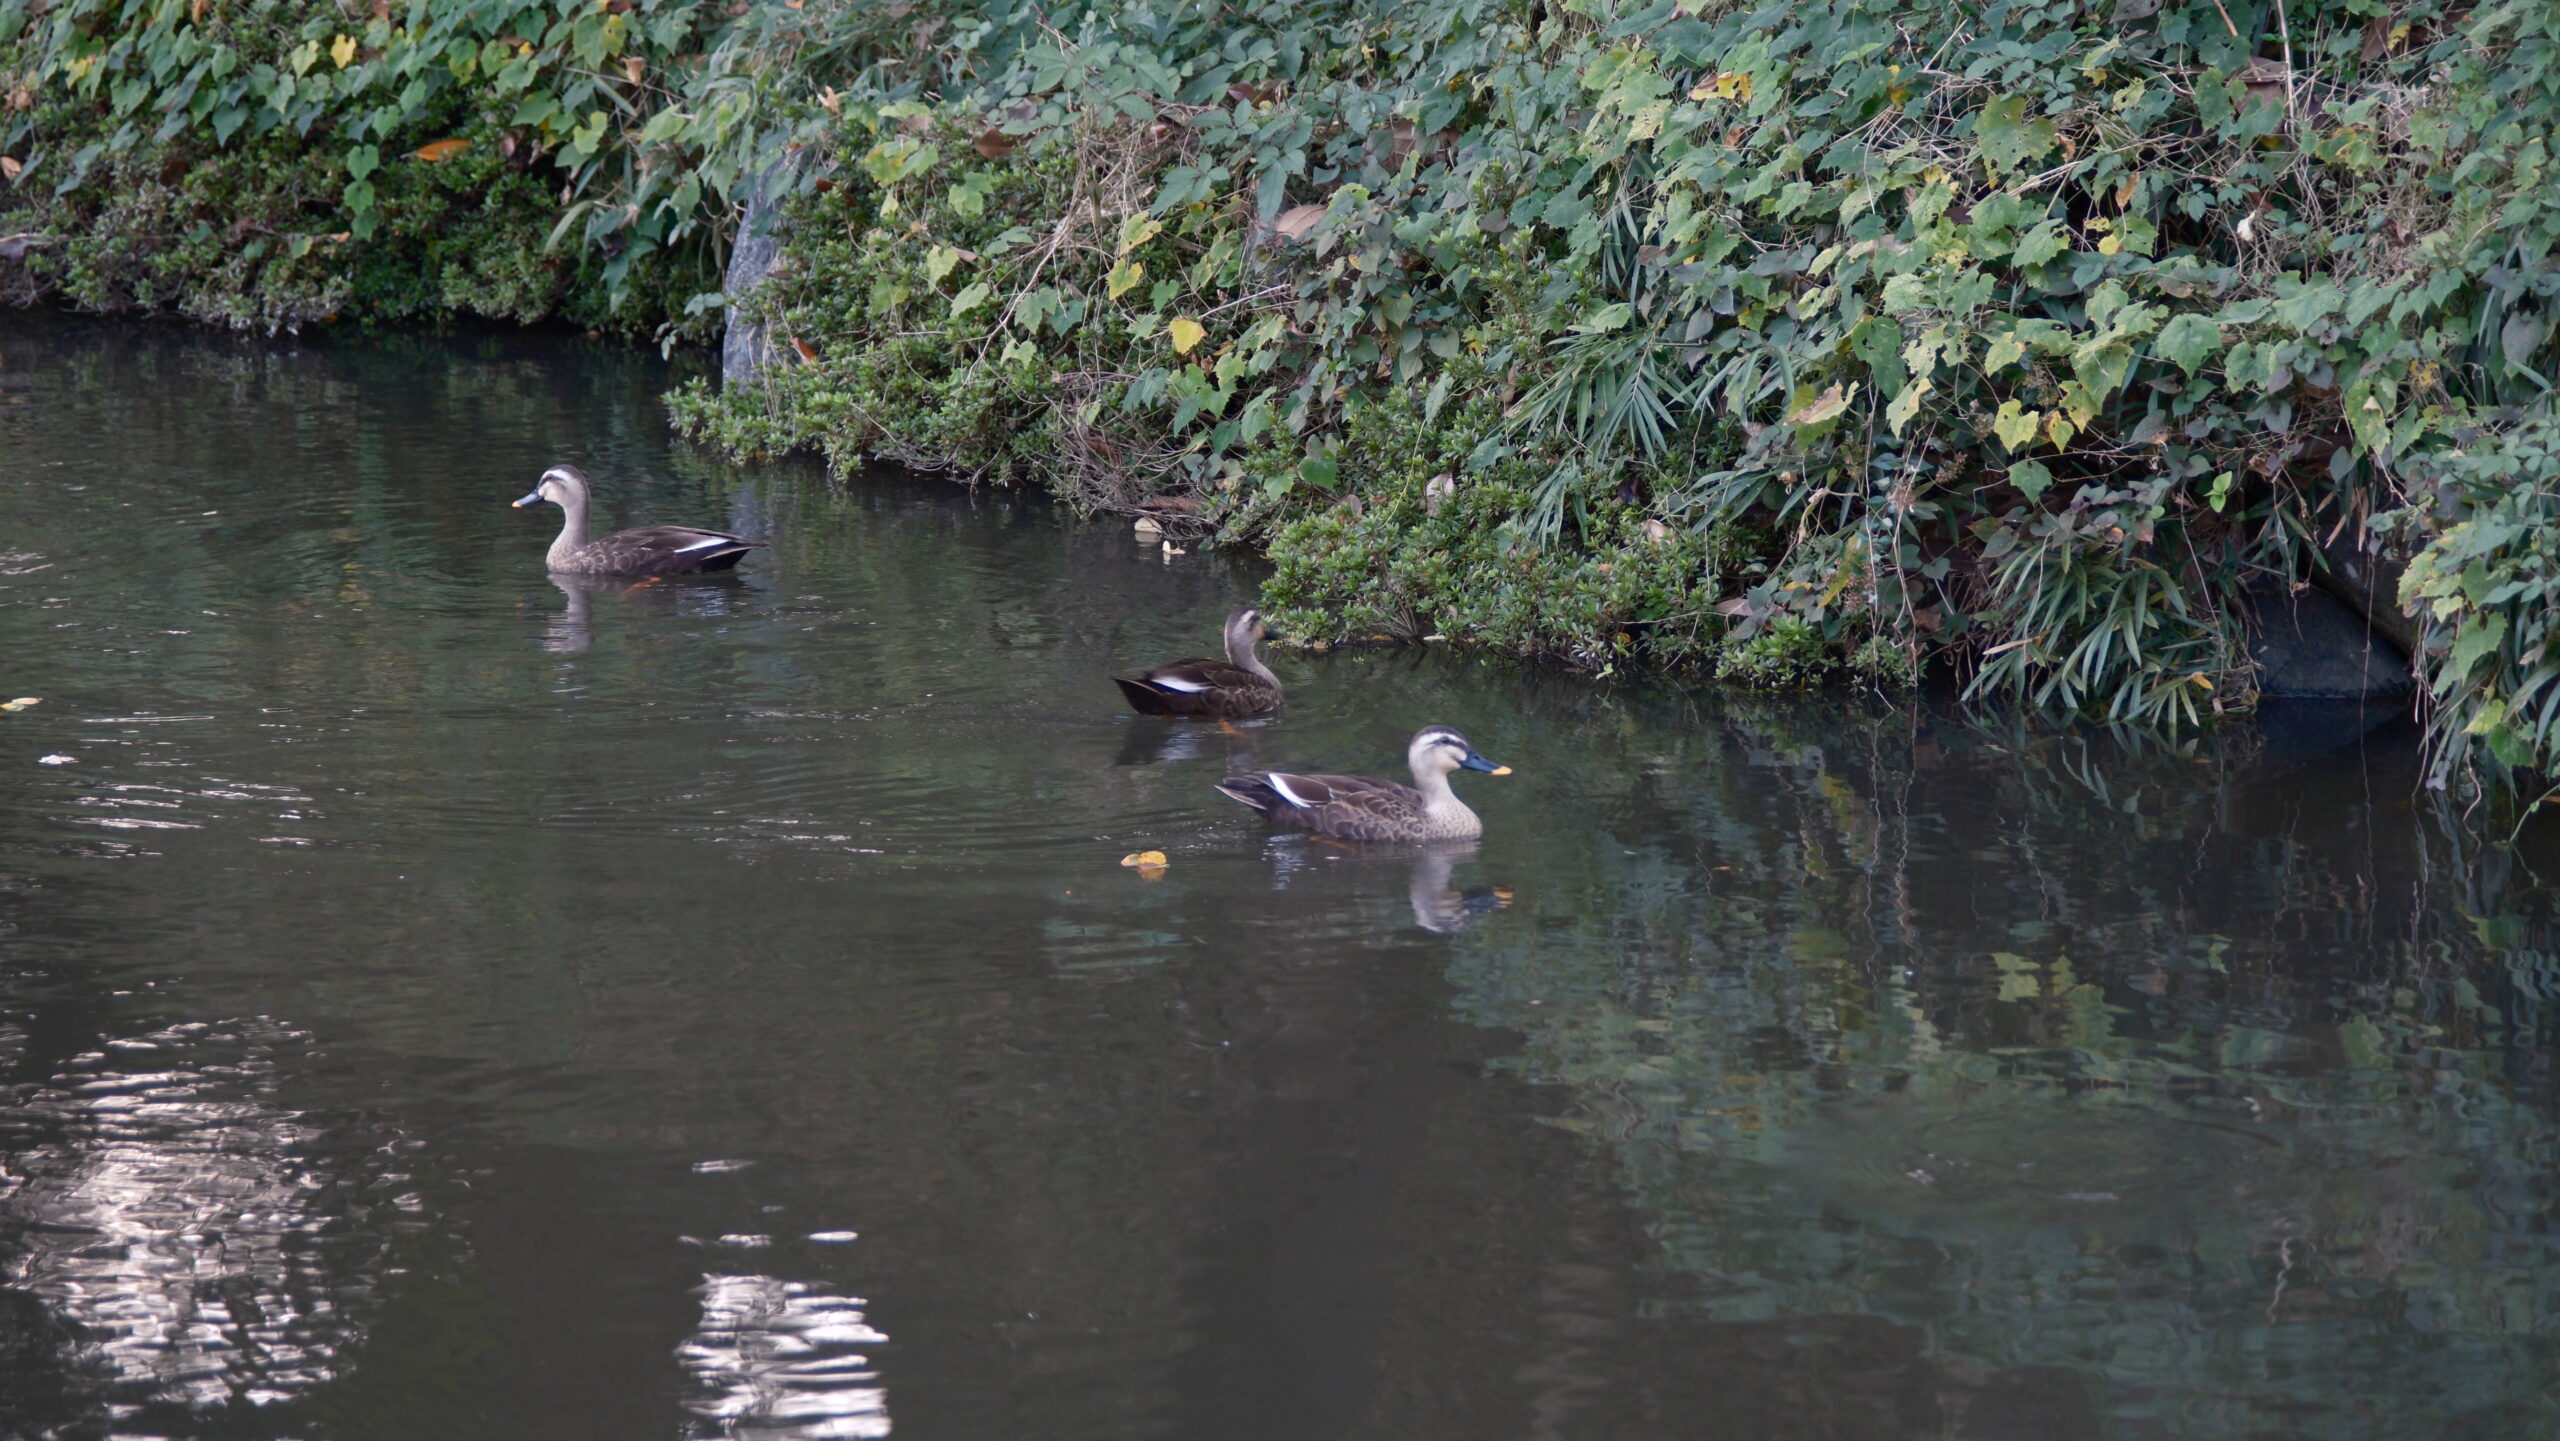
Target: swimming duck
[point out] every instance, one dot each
(1357, 808)
(1201, 689)
(646, 550)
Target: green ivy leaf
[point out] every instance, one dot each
(2187, 341)
(2010, 140)
(2041, 244)
(2478, 638)
(2031, 479)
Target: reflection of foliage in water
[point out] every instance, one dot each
(2211, 1084)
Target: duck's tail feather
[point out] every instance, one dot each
(1254, 791)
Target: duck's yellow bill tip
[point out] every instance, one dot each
(1500, 771)
(519, 504)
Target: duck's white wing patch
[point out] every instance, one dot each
(708, 542)
(1280, 783)
(1188, 686)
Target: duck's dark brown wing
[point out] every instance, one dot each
(1199, 689)
(667, 550)
(1351, 808)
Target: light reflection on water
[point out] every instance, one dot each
(782, 1360)
(170, 1215)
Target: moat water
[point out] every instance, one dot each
(438, 1003)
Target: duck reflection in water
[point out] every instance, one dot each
(572, 631)
(1439, 905)
(1150, 741)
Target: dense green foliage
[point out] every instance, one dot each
(2013, 336)
(267, 163)
(2023, 335)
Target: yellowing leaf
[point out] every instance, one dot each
(343, 50)
(1826, 406)
(1137, 230)
(2060, 430)
(2016, 425)
(436, 152)
(1907, 404)
(1125, 276)
(1186, 333)
(22, 702)
(1144, 858)
(1733, 85)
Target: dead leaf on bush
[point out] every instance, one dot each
(1296, 221)
(994, 144)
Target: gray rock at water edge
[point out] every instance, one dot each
(746, 349)
(2365, 572)
(2308, 645)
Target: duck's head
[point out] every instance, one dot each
(560, 484)
(1245, 627)
(1438, 750)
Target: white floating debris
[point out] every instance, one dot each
(719, 1168)
(745, 1242)
(56, 759)
(832, 1238)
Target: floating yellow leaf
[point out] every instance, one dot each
(343, 50)
(1148, 864)
(1186, 333)
(21, 703)
(436, 152)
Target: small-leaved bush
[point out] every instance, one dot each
(2015, 337)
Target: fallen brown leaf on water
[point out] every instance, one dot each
(436, 152)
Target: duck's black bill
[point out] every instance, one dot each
(1475, 762)
(533, 499)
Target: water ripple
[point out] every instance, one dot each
(782, 1360)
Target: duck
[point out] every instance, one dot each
(1359, 808)
(1202, 689)
(647, 550)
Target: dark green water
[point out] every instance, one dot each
(434, 1004)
